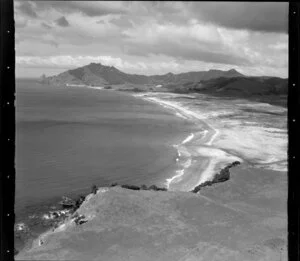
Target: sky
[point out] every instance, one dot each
(149, 38)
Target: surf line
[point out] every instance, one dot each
(191, 115)
(186, 113)
(189, 138)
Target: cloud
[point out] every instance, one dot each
(62, 21)
(88, 8)
(264, 17)
(150, 34)
(121, 21)
(46, 25)
(27, 9)
(20, 22)
(192, 42)
(68, 62)
(279, 46)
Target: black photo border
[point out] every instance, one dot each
(8, 133)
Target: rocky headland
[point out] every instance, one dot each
(219, 83)
(243, 218)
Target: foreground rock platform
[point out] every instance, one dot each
(243, 218)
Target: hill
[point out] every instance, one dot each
(227, 221)
(236, 85)
(229, 83)
(98, 74)
(272, 90)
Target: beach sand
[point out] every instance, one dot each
(228, 131)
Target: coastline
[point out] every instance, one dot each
(196, 153)
(239, 217)
(226, 134)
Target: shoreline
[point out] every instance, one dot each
(197, 148)
(197, 145)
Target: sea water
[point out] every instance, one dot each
(69, 138)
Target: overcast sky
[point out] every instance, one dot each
(151, 37)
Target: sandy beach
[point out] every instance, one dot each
(226, 134)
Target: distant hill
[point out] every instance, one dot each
(229, 83)
(244, 86)
(272, 90)
(98, 74)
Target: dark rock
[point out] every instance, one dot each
(144, 187)
(155, 188)
(223, 176)
(67, 202)
(78, 202)
(132, 187)
(79, 220)
(233, 164)
(94, 189)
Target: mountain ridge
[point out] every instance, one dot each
(230, 83)
(96, 73)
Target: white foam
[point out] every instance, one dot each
(189, 138)
(95, 87)
(213, 137)
(259, 144)
(254, 143)
(46, 216)
(179, 115)
(180, 173)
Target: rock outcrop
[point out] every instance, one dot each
(223, 176)
(239, 220)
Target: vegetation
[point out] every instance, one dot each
(155, 188)
(133, 187)
(137, 90)
(78, 202)
(80, 219)
(142, 187)
(223, 176)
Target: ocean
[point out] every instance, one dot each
(69, 138)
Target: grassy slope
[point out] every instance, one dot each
(241, 219)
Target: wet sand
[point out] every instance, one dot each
(223, 136)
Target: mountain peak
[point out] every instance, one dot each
(97, 73)
(95, 64)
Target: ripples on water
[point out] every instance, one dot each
(70, 138)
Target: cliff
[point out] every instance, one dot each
(243, 218)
